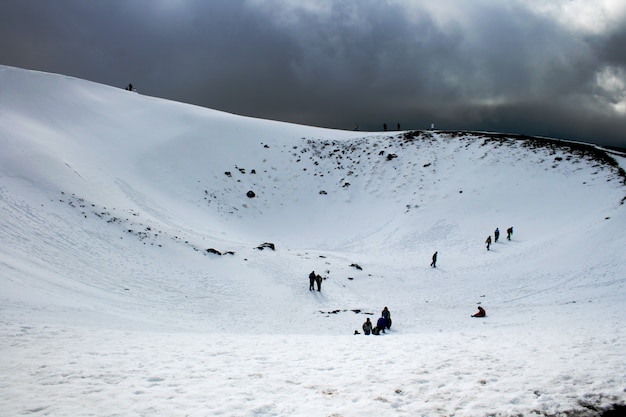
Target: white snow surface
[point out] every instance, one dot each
(110, 304)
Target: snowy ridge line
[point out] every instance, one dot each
(581, 149)
(616, 150)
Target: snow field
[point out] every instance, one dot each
(111, 305)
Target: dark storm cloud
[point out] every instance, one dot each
(482, 65)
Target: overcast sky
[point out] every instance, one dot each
(552, 68)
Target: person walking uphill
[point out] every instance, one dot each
(488, 241)
(509, 233)
(496, 235)
(311, 281)
(318, 281)
(367, 327)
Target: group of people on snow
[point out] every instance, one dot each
(315, 279)
(384, 322)
(496, 236)
(385, 127)
(488, 241)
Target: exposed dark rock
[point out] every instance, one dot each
(214, 251)
(616, 411)
(357, 266)
(251, 194)
(266, 245)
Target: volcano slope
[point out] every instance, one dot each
(132, 218)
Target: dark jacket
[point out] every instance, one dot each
(382, 323)
(367, 327)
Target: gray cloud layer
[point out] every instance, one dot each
(505, 66)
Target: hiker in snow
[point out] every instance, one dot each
(130, 87)
(481, 312)
(488, 241)
(318, 281)
(381, 324)
(367, 327)
(376, 331)
(434, 262)
(509, 233)
(311, 280)
(398, 126)
(496, 235)
(385, 127)
(387, 316)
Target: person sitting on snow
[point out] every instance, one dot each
(481, 312)
(367, 326)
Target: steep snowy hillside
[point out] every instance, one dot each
(104, 187)
(125, 213)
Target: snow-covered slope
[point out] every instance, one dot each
(113, 205)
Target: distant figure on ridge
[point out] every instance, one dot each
(367, 327)
(481, 312)
(318, 280)
(496, 235)
(311, 281)
(385, 127)
(509, 233)
(434, 262)
(488, 241)
(387, 316)
(130, 87)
